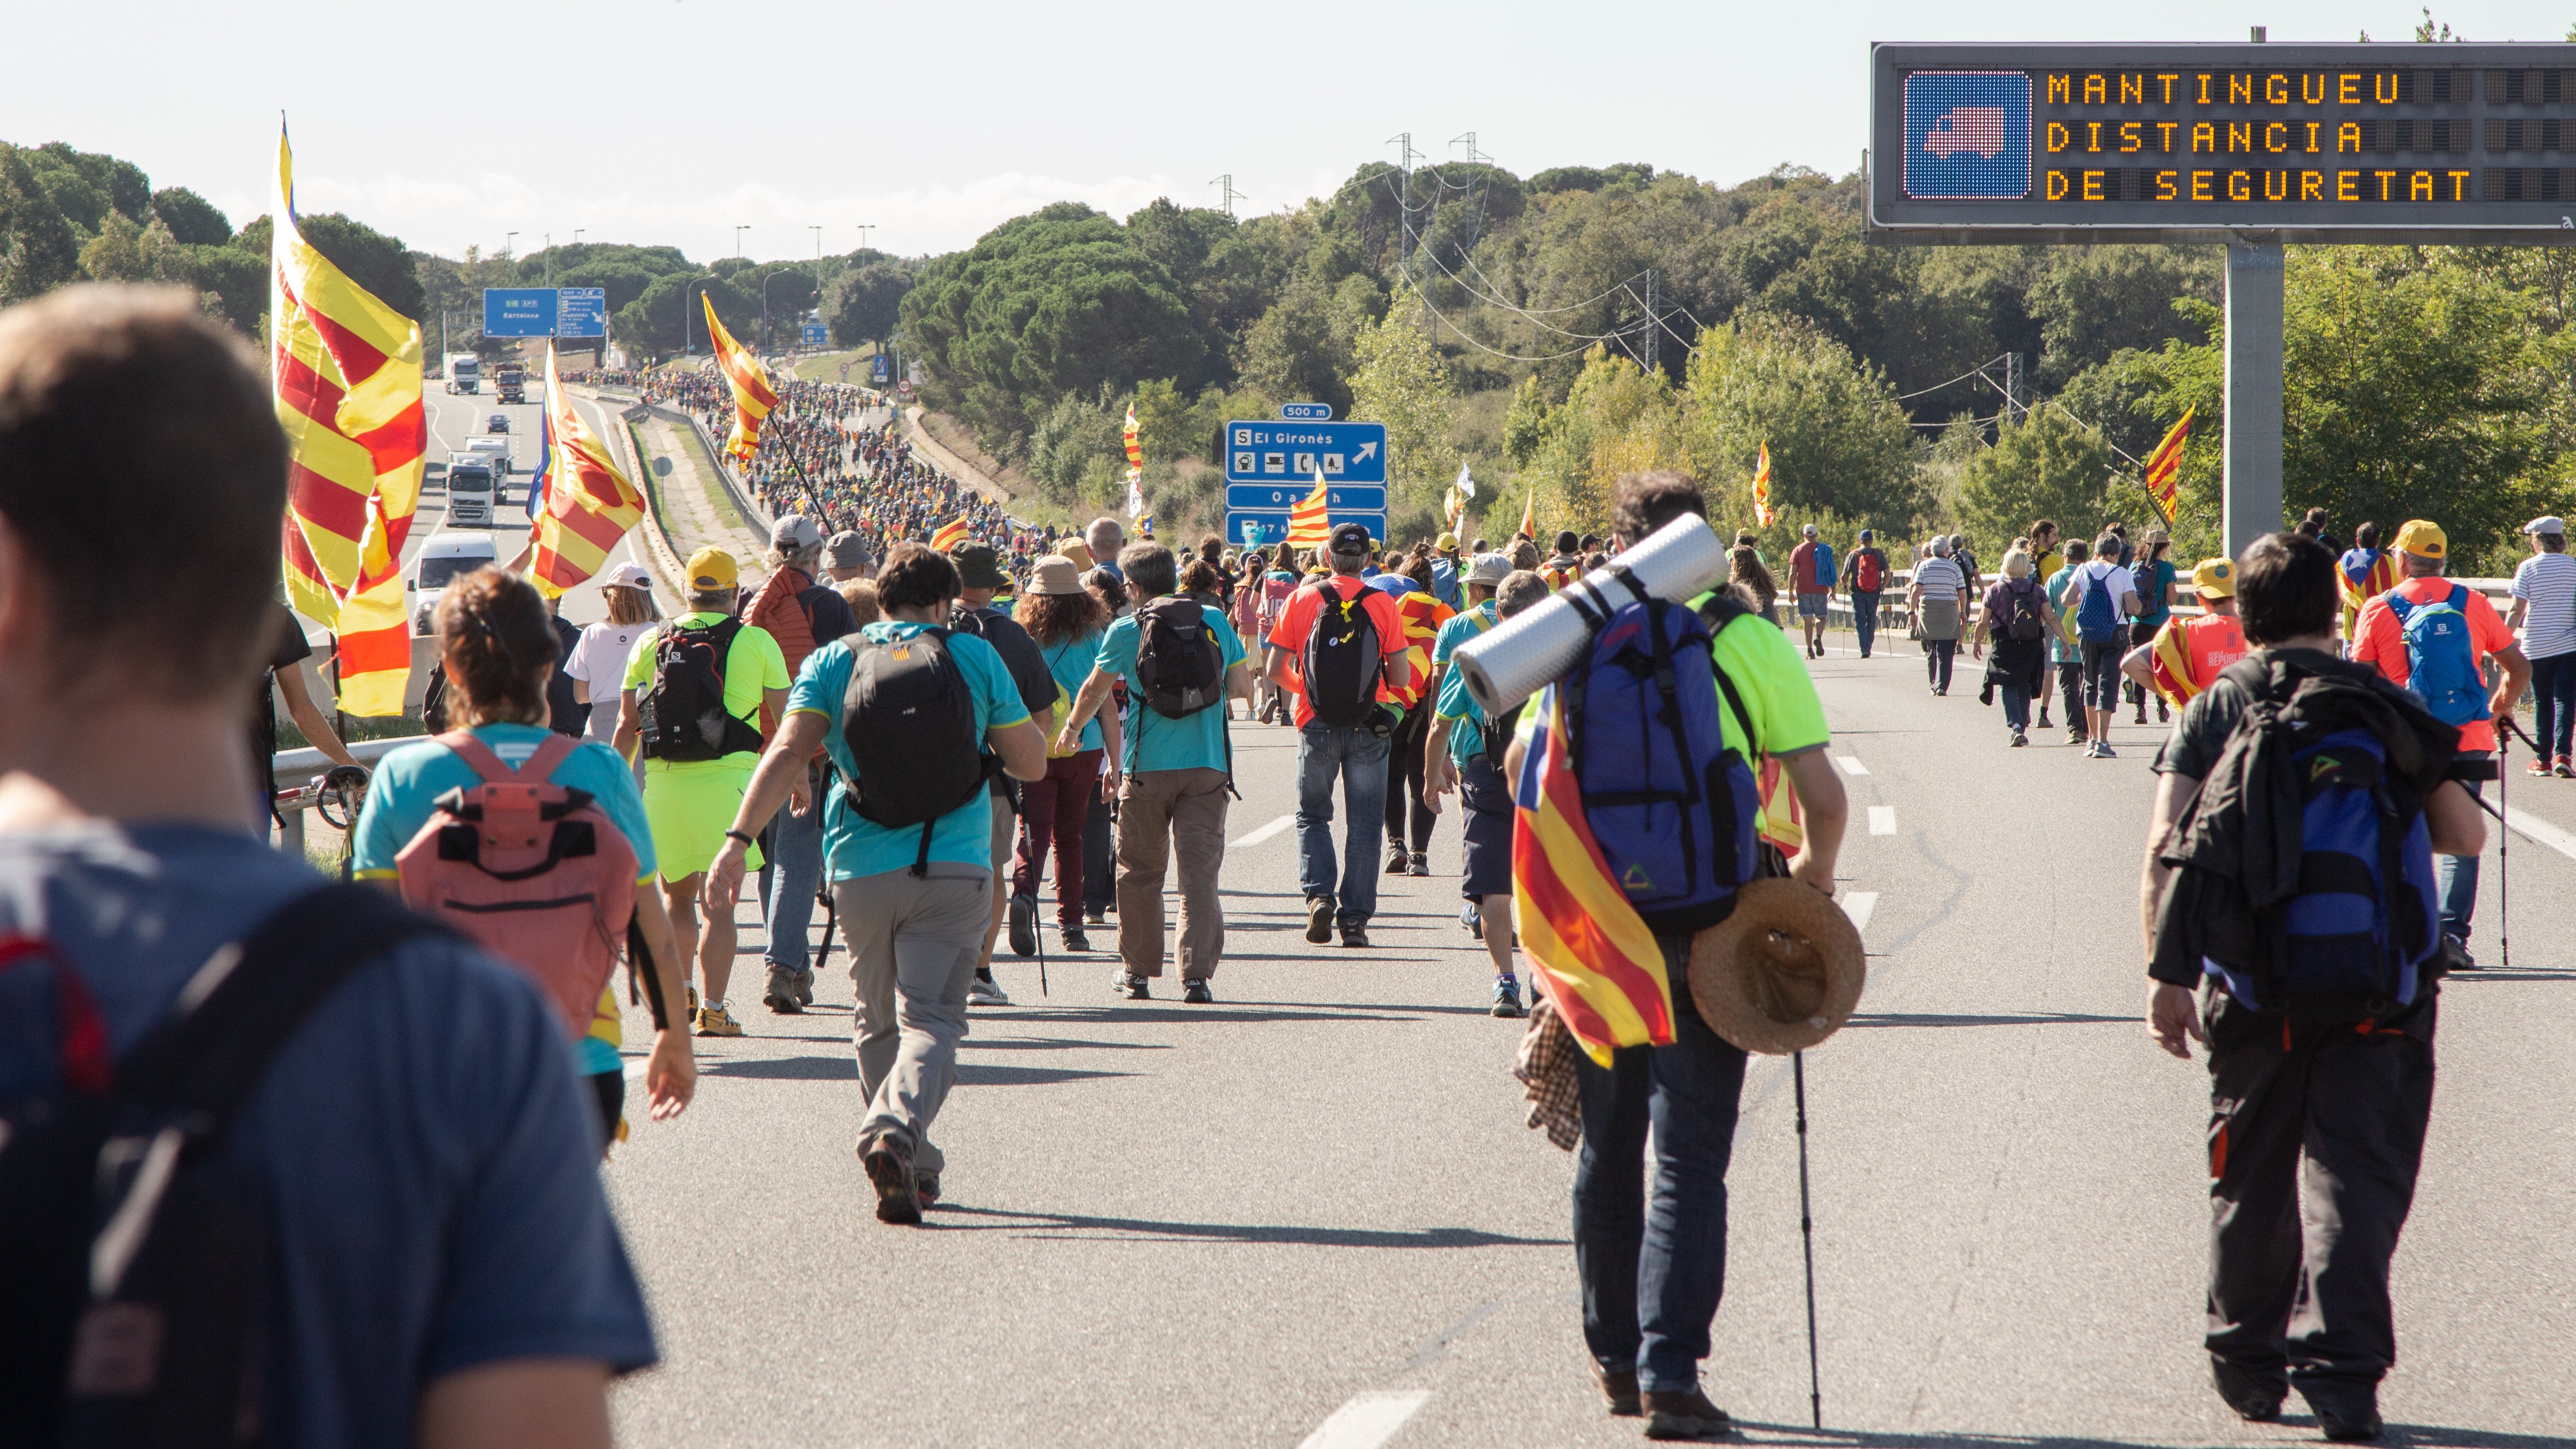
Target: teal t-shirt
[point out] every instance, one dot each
(2059, 651)
(1156, 743)
(854, 847)
(404, 792)
(1465, 625)
(2154, 592)
(1070, 660)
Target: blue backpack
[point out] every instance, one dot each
(2362, 922)
(1671, 804)
(2441, 659)
(2097, 616)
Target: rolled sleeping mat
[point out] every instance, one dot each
(1524, 654)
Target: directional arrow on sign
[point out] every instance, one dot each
(1367, 451)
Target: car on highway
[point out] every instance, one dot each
(444, 558)
(497, 423)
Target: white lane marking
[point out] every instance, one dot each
(1882, 820)
(1265, 832)
(1851, 764)
(1367, 1421)
(2541, 832)
(1859, 905)
(634, 1069)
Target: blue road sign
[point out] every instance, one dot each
(1306, 412)
(880, 369)
(816, 334)
(1285, 452)
(581, 312)
(1272, 497)
(519, 311)
(1260, 527)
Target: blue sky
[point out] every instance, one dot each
(675, 120)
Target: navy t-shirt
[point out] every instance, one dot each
(431, 1164)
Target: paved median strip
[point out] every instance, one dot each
(1264, 833)
(1368, 1420)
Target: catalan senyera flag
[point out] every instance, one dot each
(753, 393)
(1588, 948)
(586, 503)
(952, 534)
(2164, 465)
(1135, 444)
(1309, 522)
(345, 371)
(1762, 486)
(2188, 654)
(1422, 614)
(1529, 513)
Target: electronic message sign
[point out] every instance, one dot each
(2466, 144)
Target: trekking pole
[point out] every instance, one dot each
(1807, 1231)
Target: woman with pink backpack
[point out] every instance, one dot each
(531, 843)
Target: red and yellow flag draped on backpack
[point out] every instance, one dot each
(1589, 950)
(1310, 522)
(345, 372)
(1762, 486)
(2164, 465)
(753, 393)
(585, 504)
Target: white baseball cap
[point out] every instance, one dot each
(794, 532)
(2547, 523)
(628, 575)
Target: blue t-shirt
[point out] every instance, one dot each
(1444, 583)
(855, 847)
(430, 1164)
(1156, 743)
(1069, 660)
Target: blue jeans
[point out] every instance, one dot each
(1653, 1271)
(789, 883)
(1358, 755)
(2456, 876)
(2553, 688)
(2016, 707)
(1865, 617)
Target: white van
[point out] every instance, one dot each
(443, 558)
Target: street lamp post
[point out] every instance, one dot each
(506, 238)
(737, 237)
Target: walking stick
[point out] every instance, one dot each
(1807, 1231)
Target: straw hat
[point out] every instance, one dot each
(1078, 551)
(1055, 574)
(1779, 974)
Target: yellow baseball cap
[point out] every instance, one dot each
(1447, 541)
(2422, 538)
(711, 569)
(2215, 578)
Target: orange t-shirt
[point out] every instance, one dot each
(2380, 642)
(1297, 620)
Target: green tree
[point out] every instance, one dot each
(2042, 465)
(42, 252)
(191, 218)
(866, 301)
(1839, 442)
(2095, 301)
(1615, 419)
(124, 252)
(1400, 381)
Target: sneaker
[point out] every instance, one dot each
(1686, 1415)
(2539, 768)
(1194, 990)
(2351, 1423)
(805, 987)
(985, 991)
(1094, 915)
(2164, 715)
(2092, 749)
(925, 1185)
(781, 995)
(1024, 925)
(716, 1021)
(1319, 920)
(1397, 858)
(1356, 936)
(2019, 739)
(1131, 986)
(1472, 916)
(2042, 722)
(1420, 864)
(1507, 997)
(1072, 939)
(2256, 1399)
(2106, 752)
(2565, 769)
(1619, 1387)
(2075, 736)
(888, 1161)
(2142, 715)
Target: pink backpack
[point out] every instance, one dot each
(531, 871)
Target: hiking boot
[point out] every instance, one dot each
(2019, 739)
(985, 991)
(1619, 1386)
(1355, 936)
(2352, 1421)
(781, 995)
(888, 1161)
(1094, 915)
(2255, 1398)
(1072, 939)
(1024, 925)
(1131, 986)
(1420, 864)
(1397, 858)
(717, 1021)
(805, 987)
(1507, 997)
(1684, 1415)
(1194, 990)
(1319, 920)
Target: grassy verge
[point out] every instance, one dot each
(719, 499)
(826, 366)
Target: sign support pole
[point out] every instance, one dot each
(2253, 429)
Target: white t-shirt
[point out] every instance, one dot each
(2548, 582)
(599, 661)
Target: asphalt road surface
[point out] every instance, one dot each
(1310, 1214)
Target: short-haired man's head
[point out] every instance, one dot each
(1940, 548)
(1519, 589)
(2286, 588)
(714, 601)
(1647, 501)
(2077, 550)
(1104, 535)
(917, 576)
(1567, 542)
(142, 472)
(498, 646)
(2417, 565)
(1150, 568)
(2107, 546)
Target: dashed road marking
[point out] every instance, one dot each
(1264, 833)
(1859, 905)
(1851, 764)
(1882, 820)
(1368, 1420)
(2541, 832)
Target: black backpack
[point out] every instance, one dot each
(1340, 662)
(909, 720)
(1020, 654)
(2026, 621)
(134, 1254)
(1177, 659)
(683, 715)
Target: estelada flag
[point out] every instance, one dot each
(585, 505)
(2164, 465)
(753, 394)
(2372, 581)
(1762, 486)
(1589, 950)
(952, 534)
(345, 372)
(1309, 523)
(1135, 445)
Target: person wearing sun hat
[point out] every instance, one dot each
(2185, 656)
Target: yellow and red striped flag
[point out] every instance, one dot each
(753, 394)
(1762, 486)
(1135, 444)
(2164, 465)
(587, 503)
(345, 371)
(952, 534)
(1309, 524)
(1589, 950)
(1529, 513)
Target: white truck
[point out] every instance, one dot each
(474, 482)
(443, 557)
(464, 373)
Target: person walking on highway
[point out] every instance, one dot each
(2434, 638)
(2154, 578)
(2544, 609)
(2320, 1038)
(1865, 577)
(1409, 822)
(2186, 655)
(1937, 596)
(1467, 754)
(1811, 568)
(2018, 617)
(1066, 623)
(2045, 561)
(2101, 598)
(802, 616)
(1340, 648)
(2065, 653)
(980, 578)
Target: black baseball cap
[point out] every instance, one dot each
(1350, 538)
(1566, 542)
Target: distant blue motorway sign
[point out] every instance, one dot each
(519, 311)
(1305, 412)
(1269, 451)
(1261, 527)
(581, 312)
(1357, 498)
